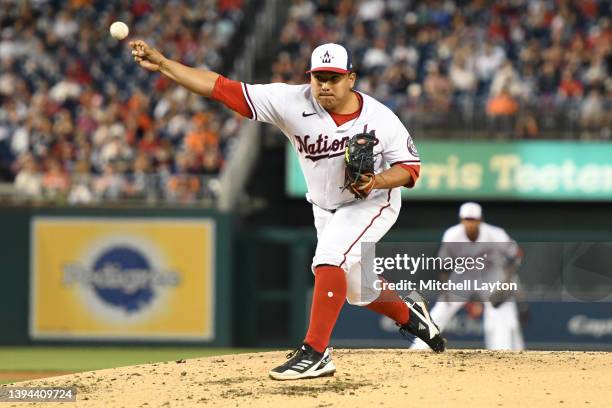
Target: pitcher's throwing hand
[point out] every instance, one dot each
(146, 56)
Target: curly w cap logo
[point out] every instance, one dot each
(326, 58)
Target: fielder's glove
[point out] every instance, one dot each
(498, 297)
(359, 159)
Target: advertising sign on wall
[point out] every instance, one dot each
(122, 278)
(533, 170)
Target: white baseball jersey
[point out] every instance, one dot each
(486, 233)
(493, 241)
(320, 144)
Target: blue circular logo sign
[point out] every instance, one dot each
(123, 277)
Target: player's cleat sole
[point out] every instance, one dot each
(420, 323)
(305, 363)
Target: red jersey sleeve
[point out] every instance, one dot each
(229, 93)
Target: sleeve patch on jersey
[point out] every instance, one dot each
(412, 147)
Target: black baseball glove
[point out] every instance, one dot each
(498, 297)
(359, 160)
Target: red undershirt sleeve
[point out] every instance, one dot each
(229, 93)
(414, 169)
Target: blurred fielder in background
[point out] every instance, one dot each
(472, 237)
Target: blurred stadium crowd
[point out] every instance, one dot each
(80, 122)
(509, 68)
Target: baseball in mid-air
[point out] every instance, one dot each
(119, 30)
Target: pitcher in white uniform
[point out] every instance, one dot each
(318, 119)
(502, 328)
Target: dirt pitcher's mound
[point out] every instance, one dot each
(364, 378)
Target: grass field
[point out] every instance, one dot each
(20, 363)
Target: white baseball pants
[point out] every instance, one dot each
(502, 328)
(340, 234)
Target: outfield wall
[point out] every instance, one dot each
(193, 278)
(276, 261)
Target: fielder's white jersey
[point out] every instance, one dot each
(493, 241)
(320, 144)
(486, 233)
